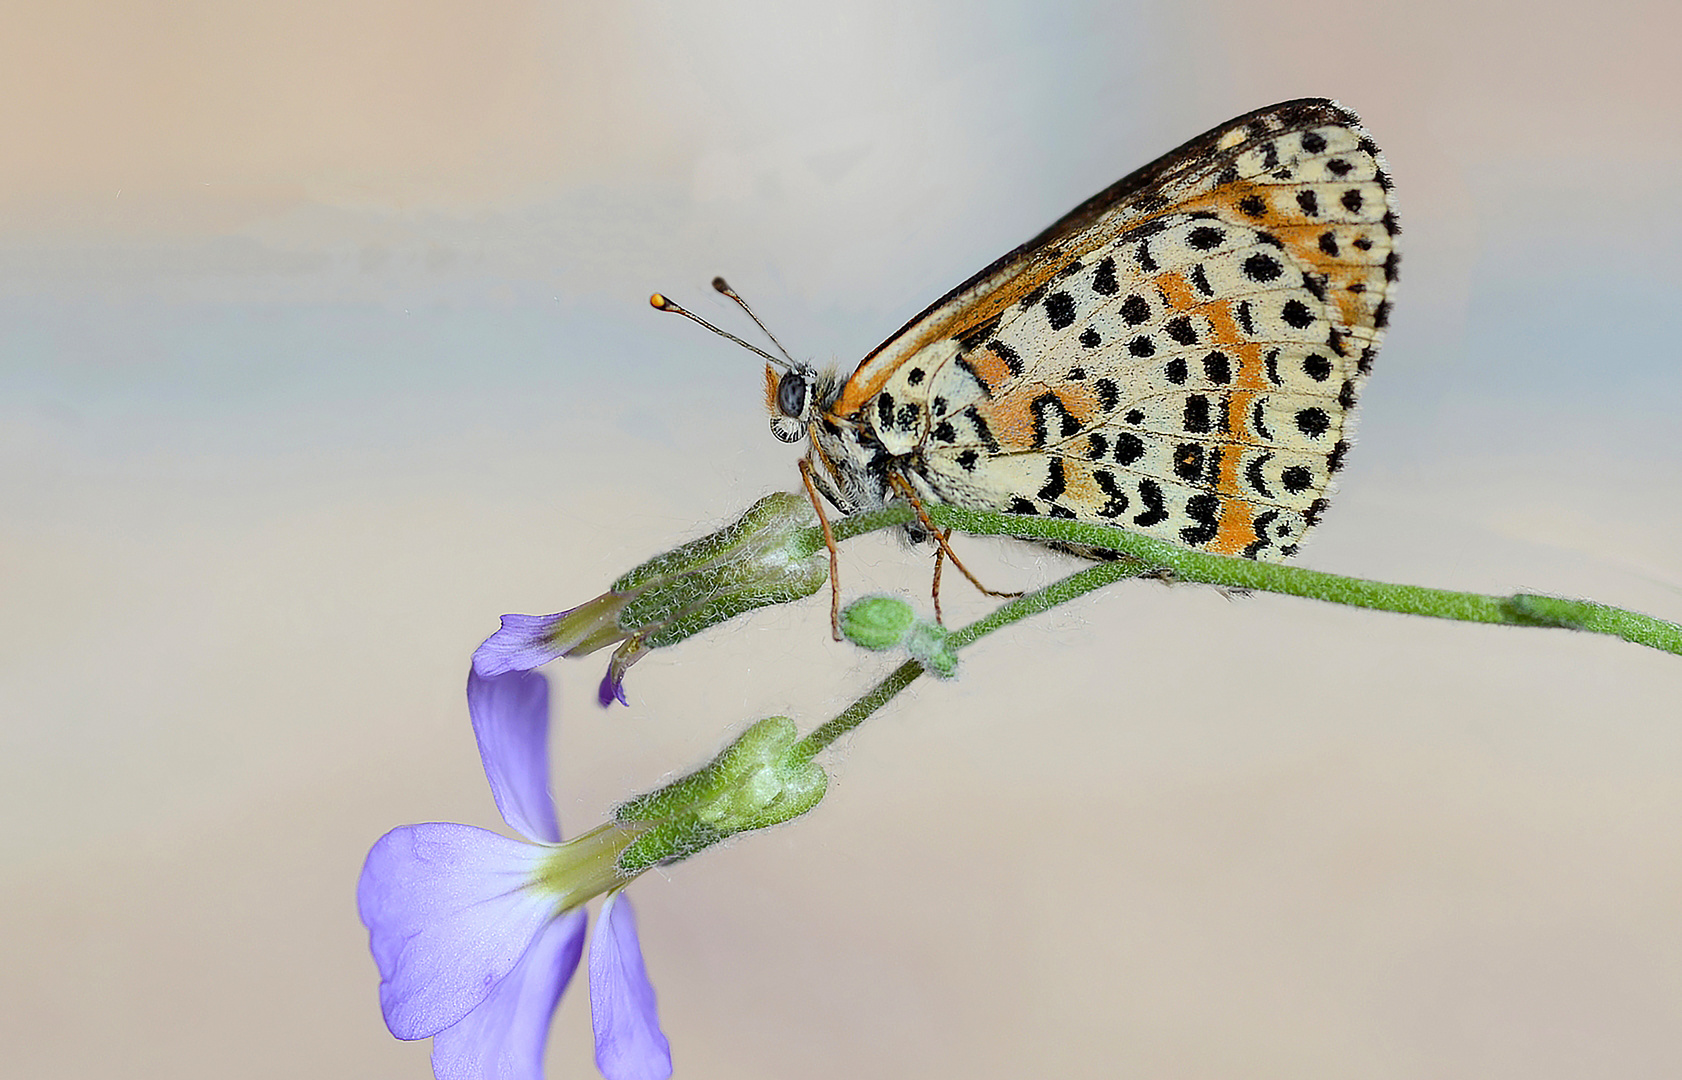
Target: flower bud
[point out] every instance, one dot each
(882, 622)
(765, 557)
(755, 782)
(877, 622)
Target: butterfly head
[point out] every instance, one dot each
(788, 398)
(795, 396)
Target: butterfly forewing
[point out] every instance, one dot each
(1180, 355)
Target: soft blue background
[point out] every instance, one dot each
(324, 340)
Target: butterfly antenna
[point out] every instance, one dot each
(724, 287)
(661, 303)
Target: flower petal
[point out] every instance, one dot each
(511, 723)
(449, 914)
(612, 689)
(522, 643)
(503, 1038)
(528, 641)
(629, 1042)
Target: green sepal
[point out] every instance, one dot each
(929, 645)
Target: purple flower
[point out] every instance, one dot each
(767, 556)
(476, 935)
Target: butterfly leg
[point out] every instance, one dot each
(939, 563)
(903, 487)
(829, 542)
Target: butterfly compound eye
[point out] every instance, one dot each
(791, 395)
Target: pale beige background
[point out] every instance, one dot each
(323, 342)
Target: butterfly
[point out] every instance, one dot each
(1179, 355)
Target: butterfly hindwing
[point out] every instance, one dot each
(1179, 355)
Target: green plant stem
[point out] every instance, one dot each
(1183, 564)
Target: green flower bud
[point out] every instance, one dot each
(765, 557)
(877, 622)
(882, 622)
(752, 784)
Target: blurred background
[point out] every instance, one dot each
(324, 341)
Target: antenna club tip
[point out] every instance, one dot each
(722, 286)
(658, 300)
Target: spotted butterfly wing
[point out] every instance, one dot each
(1179, 355)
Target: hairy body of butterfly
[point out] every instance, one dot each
(1180, 355)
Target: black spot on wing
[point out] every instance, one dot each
(1117, 504)
(1196, 418)
(1150, 493)
(1182, 331)
(1262, 267)
(1188, 462)
(1128, 448)
(1262, 524)
(1205, 237)
(1104, 281)
(1135, 309)
(1060, 310)
(1205, 510)
(1044, 408)
(1256, 478)
(982, 431)
(1054, 484)
(1012, 359)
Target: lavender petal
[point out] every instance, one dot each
(629, 1042)
(503, 1038)
(448, 914)
(612, 689)
(523, 642)
(510, 715)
